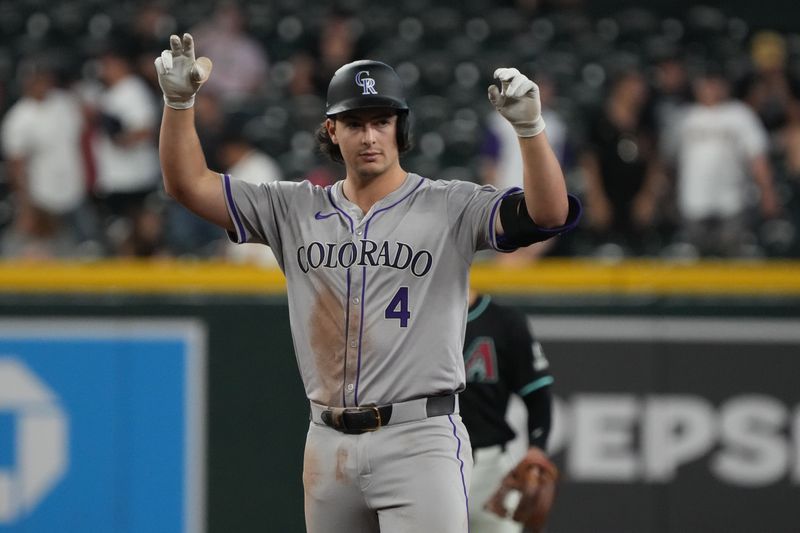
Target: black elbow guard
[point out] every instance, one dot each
(519, 229)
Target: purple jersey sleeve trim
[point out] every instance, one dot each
(461, 463)
(493, 238)
(364, 276)
(240, 236)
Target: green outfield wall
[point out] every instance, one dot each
(674, 383)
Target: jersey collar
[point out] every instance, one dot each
(411, 181)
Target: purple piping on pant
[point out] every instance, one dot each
(458, 456)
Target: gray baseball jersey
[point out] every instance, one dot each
(377, 301)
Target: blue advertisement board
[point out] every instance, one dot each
(101, 426)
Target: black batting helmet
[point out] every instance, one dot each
(365, 84)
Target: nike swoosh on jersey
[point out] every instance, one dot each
(319, 216)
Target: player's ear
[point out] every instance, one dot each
(330, 125)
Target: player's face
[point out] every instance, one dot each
(367, 139)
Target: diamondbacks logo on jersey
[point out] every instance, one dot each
(367, 84)
(365, 252)
(480, 361)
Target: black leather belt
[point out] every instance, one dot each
(356, 420)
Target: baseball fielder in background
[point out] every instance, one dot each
(377, 269)
(502, 358)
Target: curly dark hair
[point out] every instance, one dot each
(327, 146)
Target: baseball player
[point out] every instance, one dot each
(376, 268)
(501, 358)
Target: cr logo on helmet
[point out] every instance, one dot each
(367, 84)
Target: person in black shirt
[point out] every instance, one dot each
(623, 175)
(501, 358)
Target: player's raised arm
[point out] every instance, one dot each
(545, 190)
(183, 164)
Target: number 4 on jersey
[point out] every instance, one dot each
(398, 307)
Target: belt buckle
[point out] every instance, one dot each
(377, 417)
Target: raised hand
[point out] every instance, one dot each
(180, 75)
(518, 101)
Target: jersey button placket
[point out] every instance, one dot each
(354, 320)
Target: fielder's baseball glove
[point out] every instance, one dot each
(535, 478)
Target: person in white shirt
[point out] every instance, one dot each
(128, 171)
(242, 159)
(721, 151)
(41, 136)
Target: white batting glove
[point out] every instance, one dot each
(180, 75)
(518, 101)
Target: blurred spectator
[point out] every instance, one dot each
(621, 167)
(501, 160)
(245, 161)
(719, 144)
(210, 116)
(671, 93)
(774, 93)
(568, 36)
(304, 75)
(41, 136)
(792, 155)
(670, 98)
(773, 90)
(240, 62)
(770, 90)
(242, 159)
(124, 146)
(150, 28)
(338, 42)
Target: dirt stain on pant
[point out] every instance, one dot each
(311, 478)
(311, 473)
(341, 465)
